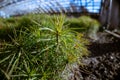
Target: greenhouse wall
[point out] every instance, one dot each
(13, 7)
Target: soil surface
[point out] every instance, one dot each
(103, 62)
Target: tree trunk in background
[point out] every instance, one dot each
(114, 18)
(115, 15)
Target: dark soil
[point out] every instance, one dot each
(103, 62)
(104, 67)
(99, 49)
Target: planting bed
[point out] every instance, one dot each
(43, 52)
(103, 62)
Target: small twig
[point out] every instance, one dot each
(112, 33)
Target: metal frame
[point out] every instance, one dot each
(58, 6)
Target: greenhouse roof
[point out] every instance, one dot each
(14, 7)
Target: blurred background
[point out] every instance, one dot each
(20, 7)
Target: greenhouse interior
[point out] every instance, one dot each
(59, 39)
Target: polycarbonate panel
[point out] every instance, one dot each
(15, 7)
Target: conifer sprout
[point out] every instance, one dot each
(39, 48)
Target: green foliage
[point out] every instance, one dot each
(25, 22)
(7, 25)
(84, 24)
(41, 51)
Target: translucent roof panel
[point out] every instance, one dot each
(14, 7)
